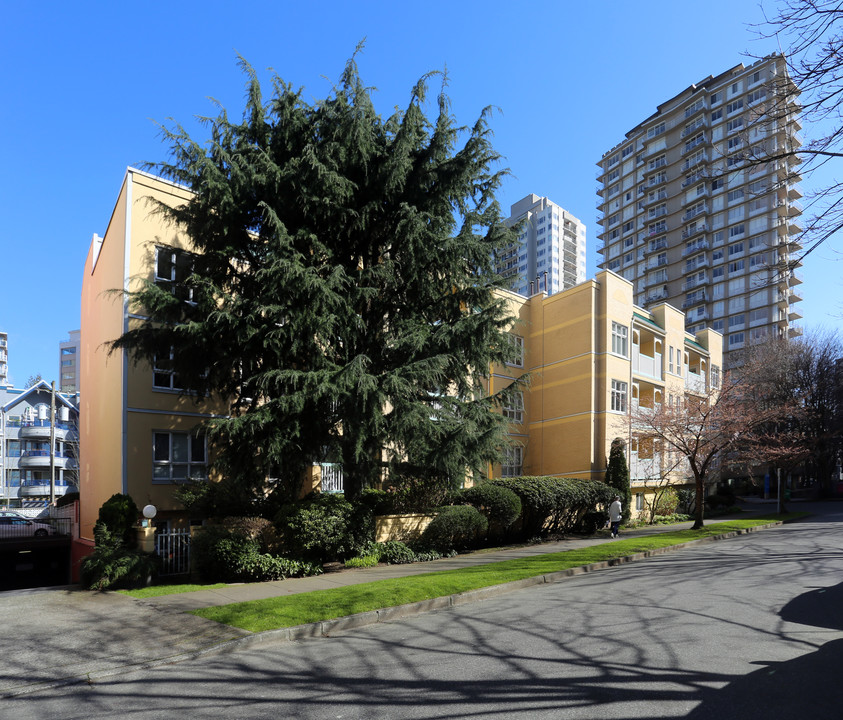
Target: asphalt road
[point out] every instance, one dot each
(741, 629)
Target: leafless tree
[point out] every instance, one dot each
(726, 422)
(810, 33)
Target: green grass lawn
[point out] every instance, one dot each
(158, 590)
(291, 610)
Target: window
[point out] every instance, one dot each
(736, 230)
(735, 124)
(163, 375)
(670, 359)
(172, 268)
(736, 249)
(619, 339)
(716, 97)
(736, 266)
(736, 339)
(518, 342)
(717, 273)
(734, 106)
(177, 457)
(736, 322)
(716, 115)
(715, 376)
(655, 130)
(68, 351)
(734, 195)
(717, 325)
(619, 396)
(514, 409)
(513, 461)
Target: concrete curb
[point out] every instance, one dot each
(328, 628)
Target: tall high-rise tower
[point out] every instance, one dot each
(550, 252)
(699, 204)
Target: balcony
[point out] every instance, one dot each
(695, 382)
(701, 122)
(794, 193)
(643, 469)
(651, 366)
(693, 162)
(697, 246)
(694, 282)
(694, 144)
(39, 459)
(657, 262)
(693, 300)
(693, 212)
(41, 488)
(40, 430)
(655, 296)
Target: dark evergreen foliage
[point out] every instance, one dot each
(617, 475)
(341, 295)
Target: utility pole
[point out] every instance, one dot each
(53, 445)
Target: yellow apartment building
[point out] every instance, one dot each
(138, 434)
(593, 357)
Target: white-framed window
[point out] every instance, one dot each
(518, 342)
(163, 375)
(177, 457)
(172, 268)
(620, 337)
(639, 501)
(619, 395)
(513, 461)
(736, 339)
(514, 409)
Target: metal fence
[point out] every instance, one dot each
(331, 477)
(173, 547)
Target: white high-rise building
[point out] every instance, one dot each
(4, 358)
(699, 204)
(549, 255)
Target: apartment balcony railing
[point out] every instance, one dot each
(653, 263)
(695, 382)
(700, 123)
(694, 282)
(694, 144)
(655, 296)
(693, 300)
(691, 180)
(693, 212)
(695, 247)
(649, 365)
(41, 459)
(692, 162)
(36, 488)
(700, 262)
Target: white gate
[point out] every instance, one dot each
(173, 547)
(331, 477)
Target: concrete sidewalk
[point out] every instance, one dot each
(55, 636)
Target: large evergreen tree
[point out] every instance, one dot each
(341, 297)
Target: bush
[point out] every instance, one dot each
(667, 503)
(394, 552)
(324, 527)
(687, 500)
(454, 528)
(362, 561)
(499, 504)
(232, 553)
(113, 564)
(417, 494)
(119, 515)
(555, 504)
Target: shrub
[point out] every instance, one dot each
(454, 528)
(417, 494)
(552, 504)
(324, 527)
(231, 552)
(394, 552)
(687, 500)
(500, 505)
(114, 564)
(667, 503)
(362, 561)
(119, 515)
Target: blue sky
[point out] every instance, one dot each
(84, 83)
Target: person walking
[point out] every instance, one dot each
(615, 516)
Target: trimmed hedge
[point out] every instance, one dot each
(555, 504)
(455, 528)
(499, 504)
